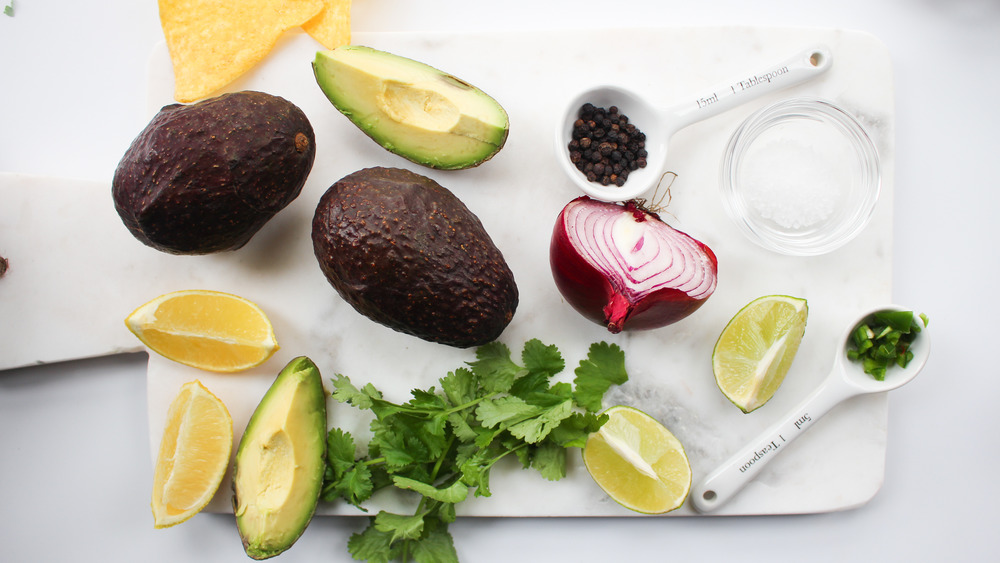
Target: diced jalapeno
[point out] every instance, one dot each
(883, 340)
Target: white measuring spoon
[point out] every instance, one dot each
(847, 379)
(660, 124)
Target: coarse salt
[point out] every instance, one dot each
(796, 176)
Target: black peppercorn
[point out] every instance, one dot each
(605, 145)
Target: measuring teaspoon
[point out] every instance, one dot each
(847, 379)
(660, 124)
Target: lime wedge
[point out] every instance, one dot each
(757, 347)
(638, 462)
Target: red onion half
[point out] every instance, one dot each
(621, 266)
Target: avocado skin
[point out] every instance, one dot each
(407, 253)
(205, 177)
(285, 526)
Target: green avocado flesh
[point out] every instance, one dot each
(280, 462)
(412, 109)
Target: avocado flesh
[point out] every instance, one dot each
(412, 109)
(280, 462)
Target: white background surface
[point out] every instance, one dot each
(74, 471)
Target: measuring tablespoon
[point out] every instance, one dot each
(847, 379)
(659, 124)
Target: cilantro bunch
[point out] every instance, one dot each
(442, 444)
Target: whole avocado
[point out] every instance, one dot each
(407, 253)
(205, 177)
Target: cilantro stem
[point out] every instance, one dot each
(434, 412)
(441, 459)
(471, 403)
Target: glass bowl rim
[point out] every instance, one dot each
(816, 109)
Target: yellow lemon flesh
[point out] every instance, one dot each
(193, 456)
(209, 330)
(638, 462)
(757, 347)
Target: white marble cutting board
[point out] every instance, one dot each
(839, 464)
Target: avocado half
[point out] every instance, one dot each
(280, 462)
(412, 109)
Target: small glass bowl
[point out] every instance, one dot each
(801, 177)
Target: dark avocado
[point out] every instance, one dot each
(407, 253)
(206, 177)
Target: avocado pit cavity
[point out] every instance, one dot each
(420, 107)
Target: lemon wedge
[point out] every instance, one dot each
(193, 456)
(209, 330)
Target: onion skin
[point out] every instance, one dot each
(615, 299)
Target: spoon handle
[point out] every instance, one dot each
(744, 465)
(802, 66)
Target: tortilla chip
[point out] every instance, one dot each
(332, 27)
(213, 42)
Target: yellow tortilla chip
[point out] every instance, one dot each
(332, 27)
(213, 42)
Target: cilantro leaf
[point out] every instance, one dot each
(393, 444)
(476, 472)
(372, 545)
(426, 400)
(485, 436)
(340, 450)
(461, 427)
(573, 431)
(354, 486)
(494, 368)
(436, 546)
(604, 366)
(539, 358)
(460, 386)
(531, 382)
(550, 460)
(401, 526)
(504, 410)
(345, 478)
(535, 429)
(346, 392)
